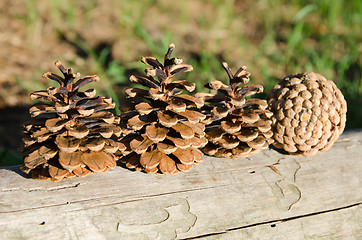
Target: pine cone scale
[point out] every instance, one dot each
(166, 119)
(185, 131)
(70, 161)
(167, 165)
(166, 148)
(156, 134)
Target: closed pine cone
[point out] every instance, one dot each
(162, 128)
(235, 126)
(309, 113)
(68, 134)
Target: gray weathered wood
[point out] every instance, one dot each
(268, 196)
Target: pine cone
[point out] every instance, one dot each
(162, 128)
(309, 113)
(235, 126)
(68, 135)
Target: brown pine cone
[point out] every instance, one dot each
(68, 134)
(235, 126)
(309, 113)
(162, 125)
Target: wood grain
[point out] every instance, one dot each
(268, 196)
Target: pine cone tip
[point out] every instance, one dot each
(58, 64)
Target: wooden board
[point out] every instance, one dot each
(266, 196)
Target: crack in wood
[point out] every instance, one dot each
(275, 221)
(41, 189)
(281, 181)
(146, 197)
(344, 140)
(64, 187)
(140, 198)
(11, 190)
(266, 154)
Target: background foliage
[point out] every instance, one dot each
(274, 38)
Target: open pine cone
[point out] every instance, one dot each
(162, 128)
(309, 113)
(68, 134)
(235, 126)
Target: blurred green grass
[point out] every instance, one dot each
(274, 38)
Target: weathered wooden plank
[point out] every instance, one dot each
(338, 224)
(213, 198)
